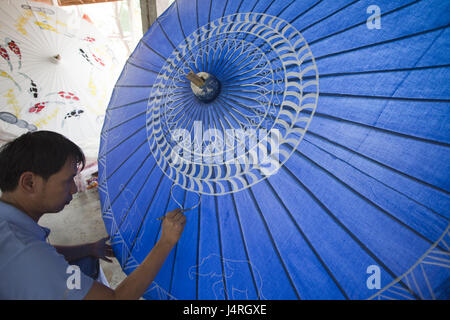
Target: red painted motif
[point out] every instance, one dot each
(14, 48)
(4, 53)
(68, 95)
(98, 60)
(38, 107)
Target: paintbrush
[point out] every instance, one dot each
(182, 211)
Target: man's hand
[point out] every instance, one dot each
(140, 279)
(102, 250)
(172, 227)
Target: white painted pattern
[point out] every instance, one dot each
(280, 97)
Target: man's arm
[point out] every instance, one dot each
(98, 249)
(134, 286)
(76, 252)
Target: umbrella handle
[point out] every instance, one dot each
(195, 79)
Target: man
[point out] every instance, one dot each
(36, 178)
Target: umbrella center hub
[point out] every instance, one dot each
(56, 59)
(208, 90)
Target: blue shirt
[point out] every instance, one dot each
(30, 268)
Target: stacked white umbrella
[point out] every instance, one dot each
(56, 73)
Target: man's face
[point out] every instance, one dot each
(57, 191)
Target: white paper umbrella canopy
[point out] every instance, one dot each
(56, 73)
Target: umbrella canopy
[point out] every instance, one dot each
(56, 73)
(295, 192)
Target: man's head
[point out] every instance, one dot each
(38, 169)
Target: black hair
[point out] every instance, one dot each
(42, 152)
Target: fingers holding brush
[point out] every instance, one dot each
(173, 226)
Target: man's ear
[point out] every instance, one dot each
(27, 182)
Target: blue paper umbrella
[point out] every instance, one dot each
(309, 139)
